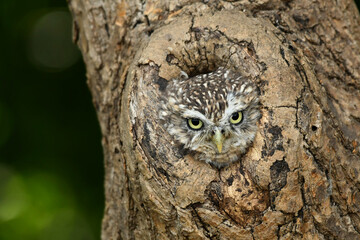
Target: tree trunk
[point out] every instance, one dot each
(299, 179)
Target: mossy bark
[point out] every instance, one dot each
(301, 177)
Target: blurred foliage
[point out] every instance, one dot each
(51, 163)
(51, 168)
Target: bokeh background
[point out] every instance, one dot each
(51, 163)
(51, 166)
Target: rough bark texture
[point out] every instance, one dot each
(301, 177)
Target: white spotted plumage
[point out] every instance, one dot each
(212, 98)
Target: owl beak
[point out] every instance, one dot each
(218, 139)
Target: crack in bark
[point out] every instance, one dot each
(326, 112)
(111, 107)
(282, 53)
(340, 64)
(325, 170)
(285, 106)
(206, 231)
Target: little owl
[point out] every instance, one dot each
(214, 115)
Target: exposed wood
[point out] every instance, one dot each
(299, 180)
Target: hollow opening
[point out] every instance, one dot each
(200, 70)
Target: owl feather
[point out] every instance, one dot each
(214, 115)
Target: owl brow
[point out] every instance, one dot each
(234, 105)
(195, 114)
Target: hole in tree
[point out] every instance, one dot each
(203, 69)
(199, 71)
(314, 128)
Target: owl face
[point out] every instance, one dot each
(213, 114)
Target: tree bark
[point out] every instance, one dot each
(301, 177)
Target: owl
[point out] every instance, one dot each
(213, 115)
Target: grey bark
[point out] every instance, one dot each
(299, 180)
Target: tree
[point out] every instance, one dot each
(301, 177)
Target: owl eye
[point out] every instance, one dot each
(194, 123)
(236, 118)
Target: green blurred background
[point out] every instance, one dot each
(51, 163)
(51, 166)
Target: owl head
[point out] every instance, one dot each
(214, 115)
